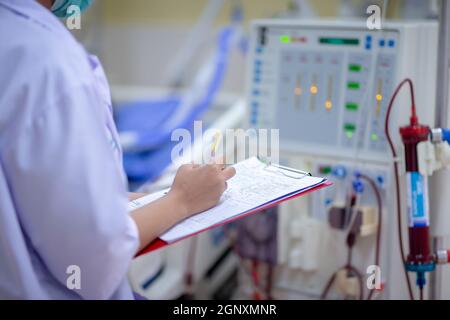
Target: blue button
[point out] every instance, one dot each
(368, 46)
(255, 92)
(257, 71)
(358, 186)
(382, 42)
(380, 180)
(339, 171)
(259, 50)
(255, 104)
(257, 80)
(391, 43)
(368, 38)
(258, 62)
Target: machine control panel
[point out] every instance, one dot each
(322, 87)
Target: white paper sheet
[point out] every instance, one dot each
(255, 184)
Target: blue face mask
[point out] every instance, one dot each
(59, 7)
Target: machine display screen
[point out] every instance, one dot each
(339, 41)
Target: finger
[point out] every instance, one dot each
(185, 166)
(228, 173)
(219, 166)
(216, 167)
(194, 164)
(224, 187)
(219, 160)
(216, 160)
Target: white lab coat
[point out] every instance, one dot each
(63, 199)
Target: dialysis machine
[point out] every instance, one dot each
(326, 86)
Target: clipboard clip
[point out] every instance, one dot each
(283, 170)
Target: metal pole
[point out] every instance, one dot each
(441, 120)
(178, 66)
(442, 84)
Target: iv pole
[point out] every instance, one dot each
(440, 181)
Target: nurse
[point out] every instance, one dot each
(63, 199)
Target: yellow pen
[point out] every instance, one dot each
(215, 143)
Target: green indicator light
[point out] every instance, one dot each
(354, 68)
(325, 170)
(353, 85)
(349, 129)
(339, 41)
(285, 39)
(351, 106)
(374, 137)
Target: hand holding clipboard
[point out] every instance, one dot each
(256, 186)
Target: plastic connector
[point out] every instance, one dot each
(440, 135)
(369, 221)
(442, 152)
(433, 155)
(426, 157)
(446, 135)
(306, 234)
(442, 256)
(347, 284)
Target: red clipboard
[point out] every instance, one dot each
(158, 243)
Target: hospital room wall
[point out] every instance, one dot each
(137, 40)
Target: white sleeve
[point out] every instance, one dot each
(69, 195)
